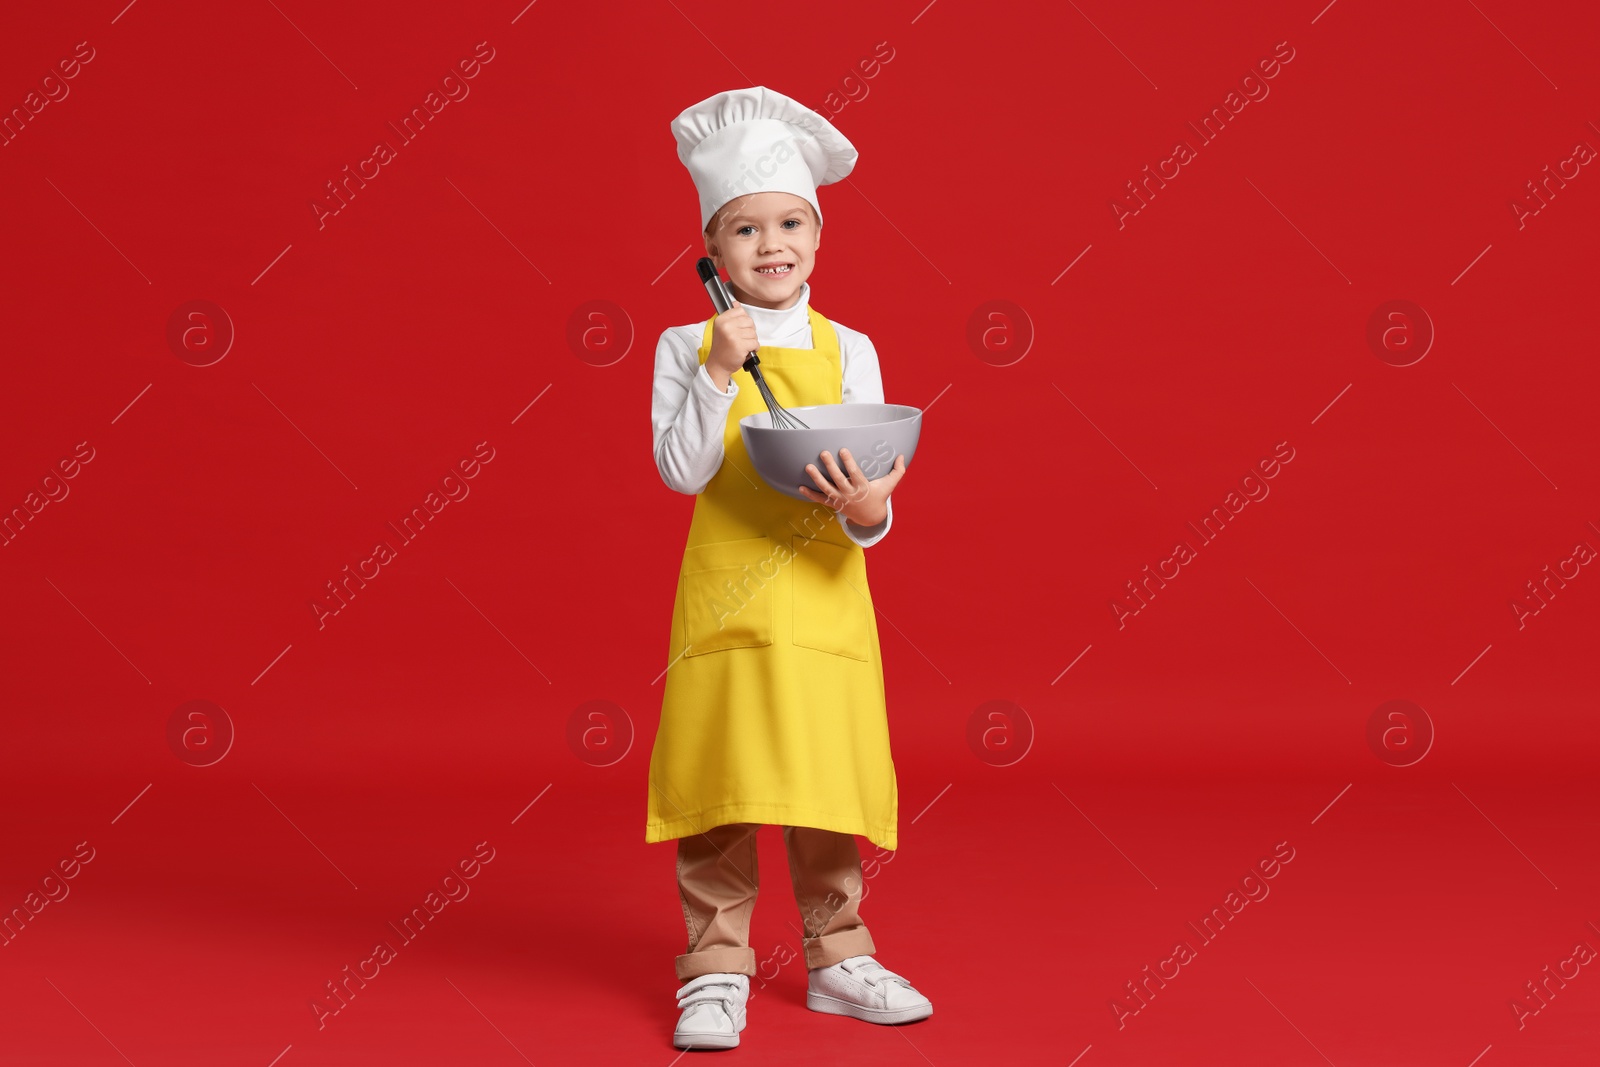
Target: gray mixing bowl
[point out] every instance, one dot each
(874, 434)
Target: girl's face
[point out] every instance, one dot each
(767, 242)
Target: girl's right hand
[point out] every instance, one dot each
(733, 338)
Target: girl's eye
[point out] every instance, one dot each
(747, 226)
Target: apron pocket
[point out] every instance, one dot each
(830, 613)
(726, 602)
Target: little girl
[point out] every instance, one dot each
(773, 709)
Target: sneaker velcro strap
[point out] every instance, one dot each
(880, 974)
(709, 987)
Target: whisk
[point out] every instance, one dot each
(718, 290)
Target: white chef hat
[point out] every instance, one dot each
(754, 141)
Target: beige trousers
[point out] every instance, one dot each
(717, 882)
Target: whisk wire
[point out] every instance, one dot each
(781, 419)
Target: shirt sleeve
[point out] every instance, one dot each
(863, 380)
(688, 414)
(867, 536)
(863, 384)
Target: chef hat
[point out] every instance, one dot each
(758, 141)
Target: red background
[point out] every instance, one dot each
(374, 351)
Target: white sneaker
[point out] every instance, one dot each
(863, 988)
(713, 1011)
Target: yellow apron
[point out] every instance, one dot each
(773, 710)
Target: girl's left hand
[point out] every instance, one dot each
(848, 492)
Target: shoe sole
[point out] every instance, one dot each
(706, 1041)
(834, 1006)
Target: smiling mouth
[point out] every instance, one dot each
(775, 271)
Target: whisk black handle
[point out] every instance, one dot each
(714, 284)
(720, 298)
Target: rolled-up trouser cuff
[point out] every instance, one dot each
(716, 961)
(829, 949)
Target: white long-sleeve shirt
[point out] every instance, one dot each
(689, 413)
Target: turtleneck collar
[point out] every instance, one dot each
(774, 326)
